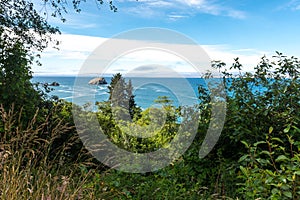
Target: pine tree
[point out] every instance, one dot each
(121, 95)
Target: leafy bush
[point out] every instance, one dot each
(257, 155)
(262, 112)
(272, 174)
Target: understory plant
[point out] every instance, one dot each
(260, 140)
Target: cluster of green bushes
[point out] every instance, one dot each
(259, 146)
(257, 154)
(43, 157)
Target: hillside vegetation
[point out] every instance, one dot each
(256, 157)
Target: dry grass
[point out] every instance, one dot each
(25, 170)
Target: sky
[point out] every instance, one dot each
(248, 29)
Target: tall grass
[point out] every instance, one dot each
(26, 170)
(31, 169)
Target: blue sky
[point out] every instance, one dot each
(226, 29)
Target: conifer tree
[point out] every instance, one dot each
(121, 95)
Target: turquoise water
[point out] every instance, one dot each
(182, 91)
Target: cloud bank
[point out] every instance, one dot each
(75, 49)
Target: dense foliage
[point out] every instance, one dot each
(257, 155)
(42, 156)
(24, 34)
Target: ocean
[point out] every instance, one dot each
(182, 91)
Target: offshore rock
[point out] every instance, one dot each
(98, 81)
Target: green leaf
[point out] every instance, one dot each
(245, 143)
(288, 194)
(271, 130)
(281, 158)
(265, 152)
(297, 173)
(277, 139)
(287, 129)
(269, 172)
(275, 191)
(282, 179)
(296, 128)
(260, 142)
(269, 180)
(244, 170)
(243, 158)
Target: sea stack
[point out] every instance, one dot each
(98, 81)
(54, 84)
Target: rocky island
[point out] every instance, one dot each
(98, 81)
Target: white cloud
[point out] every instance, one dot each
(236, 14)
(193, 2)
(151, 8)
(75, 49)
(145, 12)
(176, 17)
(249, 58)
(73, 45)
(293, 5)
(160, 3)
